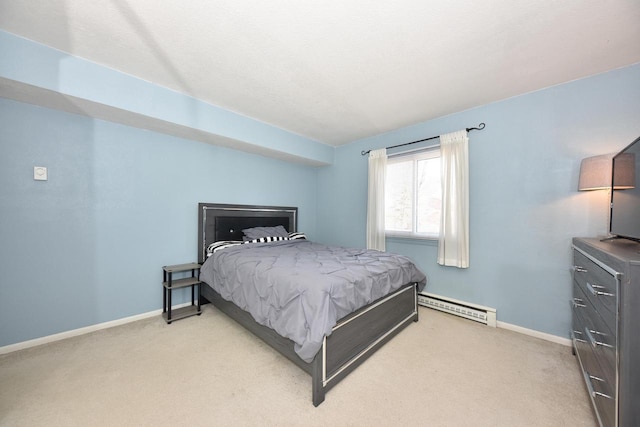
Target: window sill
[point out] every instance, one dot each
(432, 241)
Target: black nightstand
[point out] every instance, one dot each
(169, 284)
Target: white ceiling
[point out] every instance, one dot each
(337, 71)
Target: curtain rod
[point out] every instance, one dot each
(480, 127)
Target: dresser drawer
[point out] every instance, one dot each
(599, 287)
(590, 328)
(604, 347)
(600, 386)
(602, 398)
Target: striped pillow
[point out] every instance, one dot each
(216, 246)
(266, 239)
(292, 236)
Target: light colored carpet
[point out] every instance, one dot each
(207, 370)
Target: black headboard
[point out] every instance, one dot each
(225, 222)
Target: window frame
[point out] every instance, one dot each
(427, 153)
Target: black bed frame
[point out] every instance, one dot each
(352, 340)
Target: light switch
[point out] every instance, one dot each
(39, 173)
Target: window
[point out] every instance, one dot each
(413, 196)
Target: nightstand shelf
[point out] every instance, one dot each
(181, 313)
(170, 284)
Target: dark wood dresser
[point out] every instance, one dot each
(606, 326)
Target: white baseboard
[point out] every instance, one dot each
(491, 318)
(537, 334)
(81, 331)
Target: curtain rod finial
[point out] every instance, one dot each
(480, 127)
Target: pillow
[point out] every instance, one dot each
(266, 239)
(216, 246)
(259, 232)
(291, 236)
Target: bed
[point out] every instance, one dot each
(351, 339)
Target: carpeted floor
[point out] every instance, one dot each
(208, 371)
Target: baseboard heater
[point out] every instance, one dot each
(467, 310)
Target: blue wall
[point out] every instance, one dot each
(87, 246)
(524, 206)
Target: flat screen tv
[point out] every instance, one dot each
(625, 193)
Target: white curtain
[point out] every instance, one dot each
(375, 203)
(453, 245)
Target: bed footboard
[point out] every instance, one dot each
(359, 335)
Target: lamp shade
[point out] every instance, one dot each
(595, 173)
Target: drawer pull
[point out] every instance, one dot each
(577, 302)
(592, 392)
(589, 334)
(594, 290)
(578, 269)
(575, 338)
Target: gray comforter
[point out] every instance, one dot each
(301, 289)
